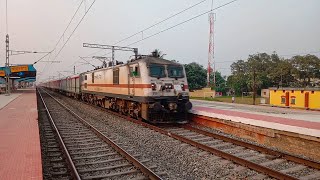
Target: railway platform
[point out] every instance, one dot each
(290, 120)
(20, 151)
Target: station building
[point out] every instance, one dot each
(307, 98)
(19, 75)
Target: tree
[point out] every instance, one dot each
(196, 75)
(156, 53)
(238, 84)
(263, 71)
(237, 81)
(257, 66)
(306, 68)
(220, 85)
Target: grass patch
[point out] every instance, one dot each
(238, 100)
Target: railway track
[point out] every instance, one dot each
(88, 153)
(270, 162)
(266, 161)
(53, 164)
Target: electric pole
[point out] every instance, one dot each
(7, 69)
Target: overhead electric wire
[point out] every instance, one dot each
(206, 12)
(169, 27)
(65, 32)
(68, 25)
(46, 64)
(74, 29)
(161, 21)
(42, 57)
(155, 24)
(74, 14)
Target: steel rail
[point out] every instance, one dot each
(66, 154)
(145, 170)
(217, 152)
(283, 155)
(243, 162)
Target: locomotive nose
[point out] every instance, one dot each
(188, 105)
(157, 106)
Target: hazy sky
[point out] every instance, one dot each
(241, 28)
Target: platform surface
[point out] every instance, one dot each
(292, 120)
(4, 99)
(20, 152)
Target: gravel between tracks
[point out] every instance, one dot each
(246, 140)
(49, 168)
(176, 159)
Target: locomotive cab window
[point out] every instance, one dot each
(116, 76)
(85, 77)
(175, 71)
(156, 71)
(134, 71)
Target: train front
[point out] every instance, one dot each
(169, 92)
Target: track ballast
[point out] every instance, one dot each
(89, 153)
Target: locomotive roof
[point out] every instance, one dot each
(155, 60)
(148, 60)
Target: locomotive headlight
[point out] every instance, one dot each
(172, 106)
(153, 86)
(182, 87)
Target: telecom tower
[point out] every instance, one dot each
(211, 62)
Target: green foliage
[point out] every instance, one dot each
(157, 53)
(197, 78)
(273, 71)
(196, 75)
(220, 85)
(268, 70)
(306, 68)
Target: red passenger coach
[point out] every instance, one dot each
(72, 86)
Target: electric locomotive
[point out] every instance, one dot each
(150, 88)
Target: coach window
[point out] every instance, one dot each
(116, 76)
(85, 77)
(92, 77)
